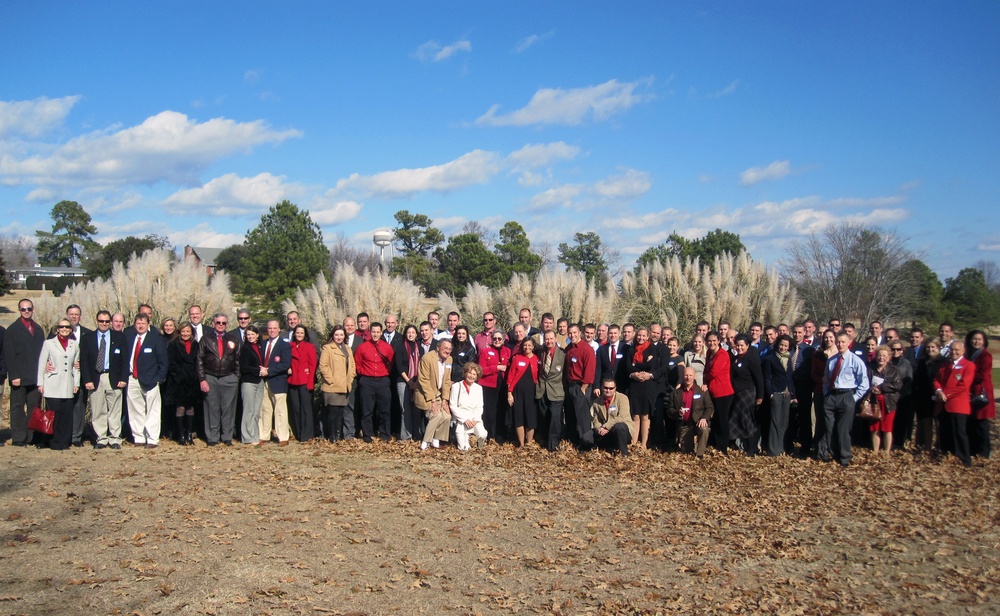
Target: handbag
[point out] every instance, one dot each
(42, 420)
(870, 409)
(979, 401)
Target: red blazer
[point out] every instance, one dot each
(955, 382)
(303, 365)
(519, 366)
(716, 375)
(983, 383)
(489, 359)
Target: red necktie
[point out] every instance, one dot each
(614, 356)
(836, 370)
(218, 338)
(135, 357)
(267, 352)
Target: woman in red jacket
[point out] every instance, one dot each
(521, 381)
(301, 381)
(494, 360)
(718, 384)
(984, 406)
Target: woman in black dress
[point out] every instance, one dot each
(182, 388)
(748, 394)
(462, 352)
(645, 379)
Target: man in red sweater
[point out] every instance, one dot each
(581, 362)
(373, 358)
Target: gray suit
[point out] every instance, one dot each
(550, 393)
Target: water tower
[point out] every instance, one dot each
(382, 239)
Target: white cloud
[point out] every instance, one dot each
(476, 167)
(432, 51)
(252, 76)
(35, 117)
(571, 107)
(541, 154)
(628, 185)
(529, 178)
(651, 220)
(726, 91)
(559, 196)
(168, 146)
(775, 171)
(990, 247)
(203, 235)
(527, 42)
(873, 202)
(326, 215)
(231, 194)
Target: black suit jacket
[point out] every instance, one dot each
(117, 359)
(620, 370)
(21, 351)
(153, 362)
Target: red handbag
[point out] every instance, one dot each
(42, 420)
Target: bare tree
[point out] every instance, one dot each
(18, 252)
(489, 238)
(991, 273)
(342, 251)
(851, 272)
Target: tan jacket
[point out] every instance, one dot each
(620, 412)
(551, 383)
(427, 390)
(336, 370)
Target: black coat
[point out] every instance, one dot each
(117, 359)
(182, 388)
(778, 378)
(21, 351)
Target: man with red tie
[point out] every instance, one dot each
(22, 346)
(148, 366)
(952, 384)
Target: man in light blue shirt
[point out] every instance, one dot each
(845, 381)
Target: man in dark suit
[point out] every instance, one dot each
(22, 346)
(243, 321)
(352, 417)
(800, 424)
(218, 369)
(148, 368)
(74, 313)
(916, 348)
(104, 373)
(276, 361)
(612, 361)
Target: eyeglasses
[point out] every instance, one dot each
(498, 339)
(609, 389)
(27, 309)
(221, 323)
(64, 327)
(488, 320)
(897, 349)
(103, 320)
(242, 318)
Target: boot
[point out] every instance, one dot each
(179, 433)
(188, 423)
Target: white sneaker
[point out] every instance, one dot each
(436, 444)
(423, 445)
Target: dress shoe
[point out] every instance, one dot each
(100, 446)
(212, 443)
(19, 444)
(228, 443)
(115, 446)
(283, 444)
(436, 444)
(150, 445)
(368, 439)
(424, 445)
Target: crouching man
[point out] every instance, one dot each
(694, 410)
(611, 419)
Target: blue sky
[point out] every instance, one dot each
(768, 119)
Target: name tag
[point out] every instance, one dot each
(558, 368)
(147, 350)
(522, 364)
(491, 353)
(462, 354)
(118, 351)
(739, 364)
(612, 409)
(649, 358)
(619, 356)
(696, 396)
(573, 359)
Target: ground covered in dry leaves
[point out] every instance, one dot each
(374, 529)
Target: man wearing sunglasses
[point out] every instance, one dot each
(484, 338)
(104, 373)
(22, 346)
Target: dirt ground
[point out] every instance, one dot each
(384, 528)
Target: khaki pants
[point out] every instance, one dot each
(686, 441)
(106, 412)
(438, 427)
(144, 412)
(274, 406)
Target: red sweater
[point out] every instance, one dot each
(580, 363)
(372, 360)
(716, 375)
(955, 382)
(303, 365)
(519, 366)
(489, 359)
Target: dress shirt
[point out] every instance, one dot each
(853, 375)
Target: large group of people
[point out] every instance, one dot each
(775, 390)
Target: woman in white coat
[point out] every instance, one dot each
(59, 380)
(467, 407)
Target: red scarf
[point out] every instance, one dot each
(640, 353)
(63, 341)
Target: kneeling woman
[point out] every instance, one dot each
(467, 407)
(60, 385)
